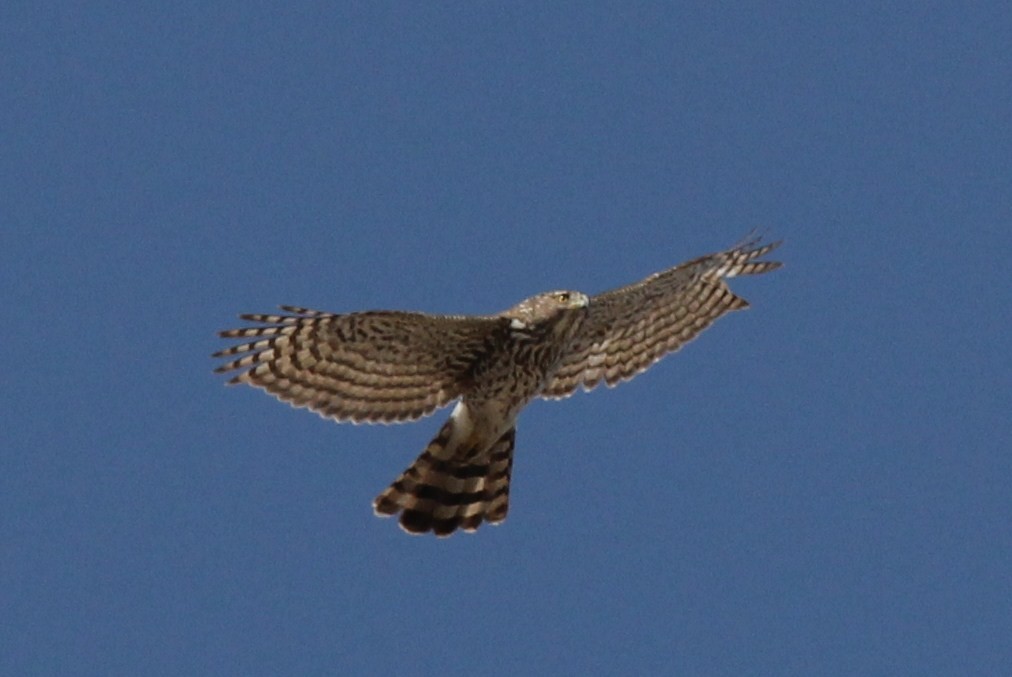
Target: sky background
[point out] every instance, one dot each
(819, 485)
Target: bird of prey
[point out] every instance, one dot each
(390, 366)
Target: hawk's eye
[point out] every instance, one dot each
(563, 296)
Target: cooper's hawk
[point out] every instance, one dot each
(387, 366)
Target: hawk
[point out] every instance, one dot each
(389, 366)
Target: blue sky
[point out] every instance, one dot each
(819, 485)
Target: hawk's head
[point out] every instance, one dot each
(548, 310)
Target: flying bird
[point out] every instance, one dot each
(389, 366)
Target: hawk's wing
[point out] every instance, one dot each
(628, 329)
(376, 367)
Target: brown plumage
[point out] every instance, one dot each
(386, 367)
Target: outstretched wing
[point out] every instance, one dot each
(628, 329)
(371, 367)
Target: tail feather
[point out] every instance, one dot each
(443, 491)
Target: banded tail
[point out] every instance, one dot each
(449, 488)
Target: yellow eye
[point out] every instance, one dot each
(563, 296)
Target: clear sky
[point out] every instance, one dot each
(819, 485)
